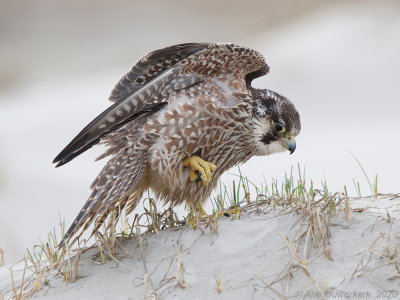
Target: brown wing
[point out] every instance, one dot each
(202, 60)
(150, 66)
(139, 101)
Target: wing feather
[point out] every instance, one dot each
(199, 61)
(151, 65)
(141, 92)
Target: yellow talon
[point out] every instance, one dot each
(197, 213)
(234, 211)
(205, 168)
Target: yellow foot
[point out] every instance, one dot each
(196, 213)
(204, 169)
(227, 213)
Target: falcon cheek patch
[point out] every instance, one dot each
(269, 138)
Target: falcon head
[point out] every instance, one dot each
(277, 122)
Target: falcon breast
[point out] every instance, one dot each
(184, 101)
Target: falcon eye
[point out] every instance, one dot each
(279, 127)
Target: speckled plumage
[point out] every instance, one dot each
(180, 101)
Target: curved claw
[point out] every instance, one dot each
(198, 178)
(199, 168)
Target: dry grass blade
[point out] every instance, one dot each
(391, 253)
(181, 280)
(147, 280)
(269, 286)
(313, 208)
(70, 268)
(302, 264)
(364, 261)
(381, 265)
(19, 294)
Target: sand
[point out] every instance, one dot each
(252, 259)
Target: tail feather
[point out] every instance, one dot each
(111, 190)
(134, 171)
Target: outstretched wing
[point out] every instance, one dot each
(150, 66)
(145, 89)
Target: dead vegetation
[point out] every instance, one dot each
(310, 240)
(312, 237)
(386, 247)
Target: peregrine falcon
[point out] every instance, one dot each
(180, 118)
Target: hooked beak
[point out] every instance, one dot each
(290, 144)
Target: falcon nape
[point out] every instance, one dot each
(181, 117)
